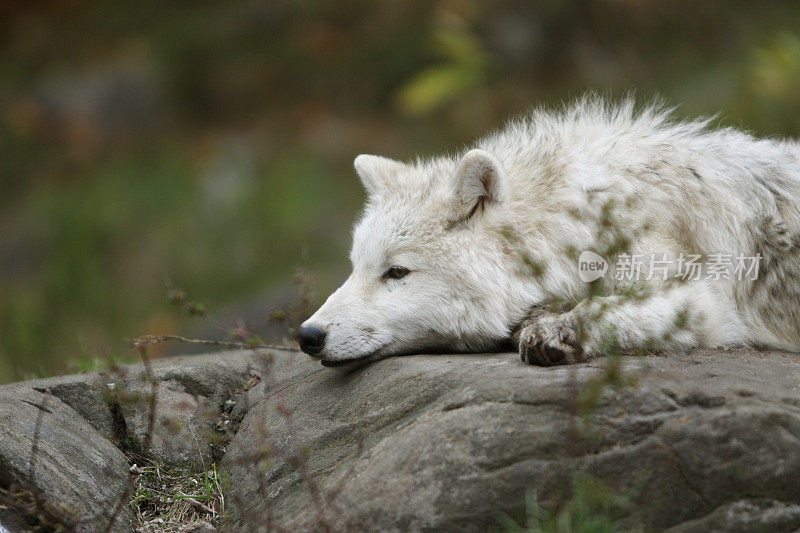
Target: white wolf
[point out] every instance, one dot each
(465, 253)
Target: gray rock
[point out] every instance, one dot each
(78, 476)
(78, 472)
(200, 526)
(746, 516)
(191, 391)
(704, 441)
(182, 425)
(87, 394)
(451, 442)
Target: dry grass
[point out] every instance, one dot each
(174, 501)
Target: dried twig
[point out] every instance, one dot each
(196, 503)
(160, 339)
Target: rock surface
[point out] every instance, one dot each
(189, 394)
(87, 421)
(746, 515)
(452, 442)
(47, 448)
(709, 440)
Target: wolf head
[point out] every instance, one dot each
(430, 262)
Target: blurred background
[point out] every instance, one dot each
(208, 145)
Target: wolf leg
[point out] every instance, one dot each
(675, 318)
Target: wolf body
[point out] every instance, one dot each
(473, 251)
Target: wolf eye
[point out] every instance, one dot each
(395, 272)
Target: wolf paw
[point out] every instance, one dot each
(550, 340)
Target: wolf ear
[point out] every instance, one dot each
(377, 173)
(479, 180)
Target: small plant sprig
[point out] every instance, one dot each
(177, 296)
(242, 337)
(299, 308)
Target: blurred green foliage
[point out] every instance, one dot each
(589, 507)
(209, 144)
(463, 68)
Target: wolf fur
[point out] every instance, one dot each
(489, 239)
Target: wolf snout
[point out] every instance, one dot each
(311, 339)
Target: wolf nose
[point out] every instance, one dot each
(311, 339)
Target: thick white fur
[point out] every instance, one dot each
(469, 228)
